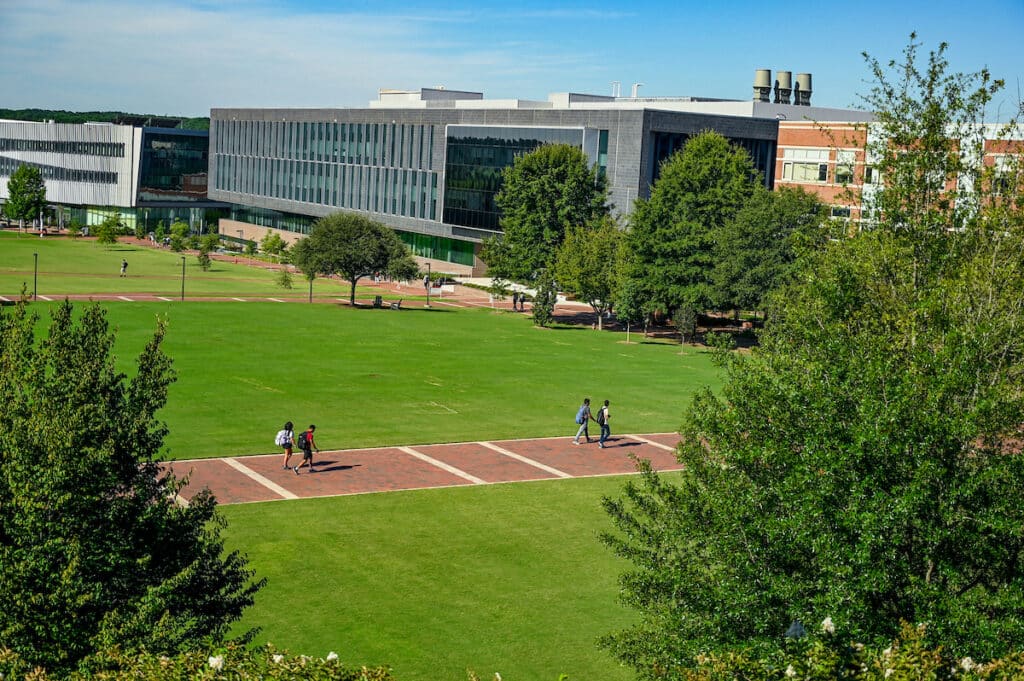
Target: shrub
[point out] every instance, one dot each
(234, 662)
(827, 656)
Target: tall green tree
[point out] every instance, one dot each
(754, 251)
(585, 264)
(860, 464)
(94, 551)
(672, 234)
(543, 194)
(26, 194)
(354, 247)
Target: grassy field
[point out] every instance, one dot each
(69, 266)
(502, 578)
(375, 377)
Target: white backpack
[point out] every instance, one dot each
(282, 435)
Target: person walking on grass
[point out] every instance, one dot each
(124, 267)
(286, 439)
(307, 445)
(583, 417)
(602, 420)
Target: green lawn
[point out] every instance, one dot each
(499, 578)
(370, 377)
(69, 266)
(503, 578)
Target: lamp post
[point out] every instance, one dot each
(35, 274)
(183, 278)
(428, 284)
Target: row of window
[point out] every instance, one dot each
(476, 156)
(394, 145)
(9, 165)
(438, 247)
(392, 191)
(812, 166)
(111, 149)
(264, 217)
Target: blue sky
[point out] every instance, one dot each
(184, 57)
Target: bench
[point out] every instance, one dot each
(397, 306)
(378, 302)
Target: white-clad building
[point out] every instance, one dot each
(143, 173)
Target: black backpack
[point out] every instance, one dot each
(304, 440)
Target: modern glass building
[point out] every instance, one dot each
(428, 163)
(142, 174)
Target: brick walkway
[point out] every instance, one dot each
(386, 469)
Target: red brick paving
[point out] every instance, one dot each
(484, 463)
(363, 471)
(667, 439)
(230, 486)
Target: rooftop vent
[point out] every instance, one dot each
(762, 85)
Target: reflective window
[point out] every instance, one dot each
(476, 157)
(173, 166)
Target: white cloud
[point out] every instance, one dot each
(176, 57)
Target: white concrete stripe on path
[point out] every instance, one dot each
(49, 300)
(241, 300)
(445, 302)
(167, 300)
(4, 300)
(276, 300)
(126, 298)
(651, 442)
(266, 482)
(443, 466)
(526, 460)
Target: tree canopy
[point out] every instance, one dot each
(755, 250)
(26, 194)
(672, 234)
(859, 465)
(94, 551)
(585, 264)
(354, 247)
(543, 194)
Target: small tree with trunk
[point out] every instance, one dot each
(353, 247)
(26, 195)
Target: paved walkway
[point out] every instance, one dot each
(387, 469)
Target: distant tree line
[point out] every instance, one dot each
(61, 116)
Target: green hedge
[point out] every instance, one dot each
(233, 663)
(826, 655)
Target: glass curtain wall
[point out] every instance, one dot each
(476, 157)
(374, 167)
(173, 166)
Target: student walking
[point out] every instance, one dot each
(124, 267)
(583, 417)
(307, 445)
(602, 419)
(286, 439)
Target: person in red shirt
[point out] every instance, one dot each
(307, 445)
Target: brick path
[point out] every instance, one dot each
(386, 469)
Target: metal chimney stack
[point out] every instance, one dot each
(783, 87)
(802, 94)
(762, 85)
